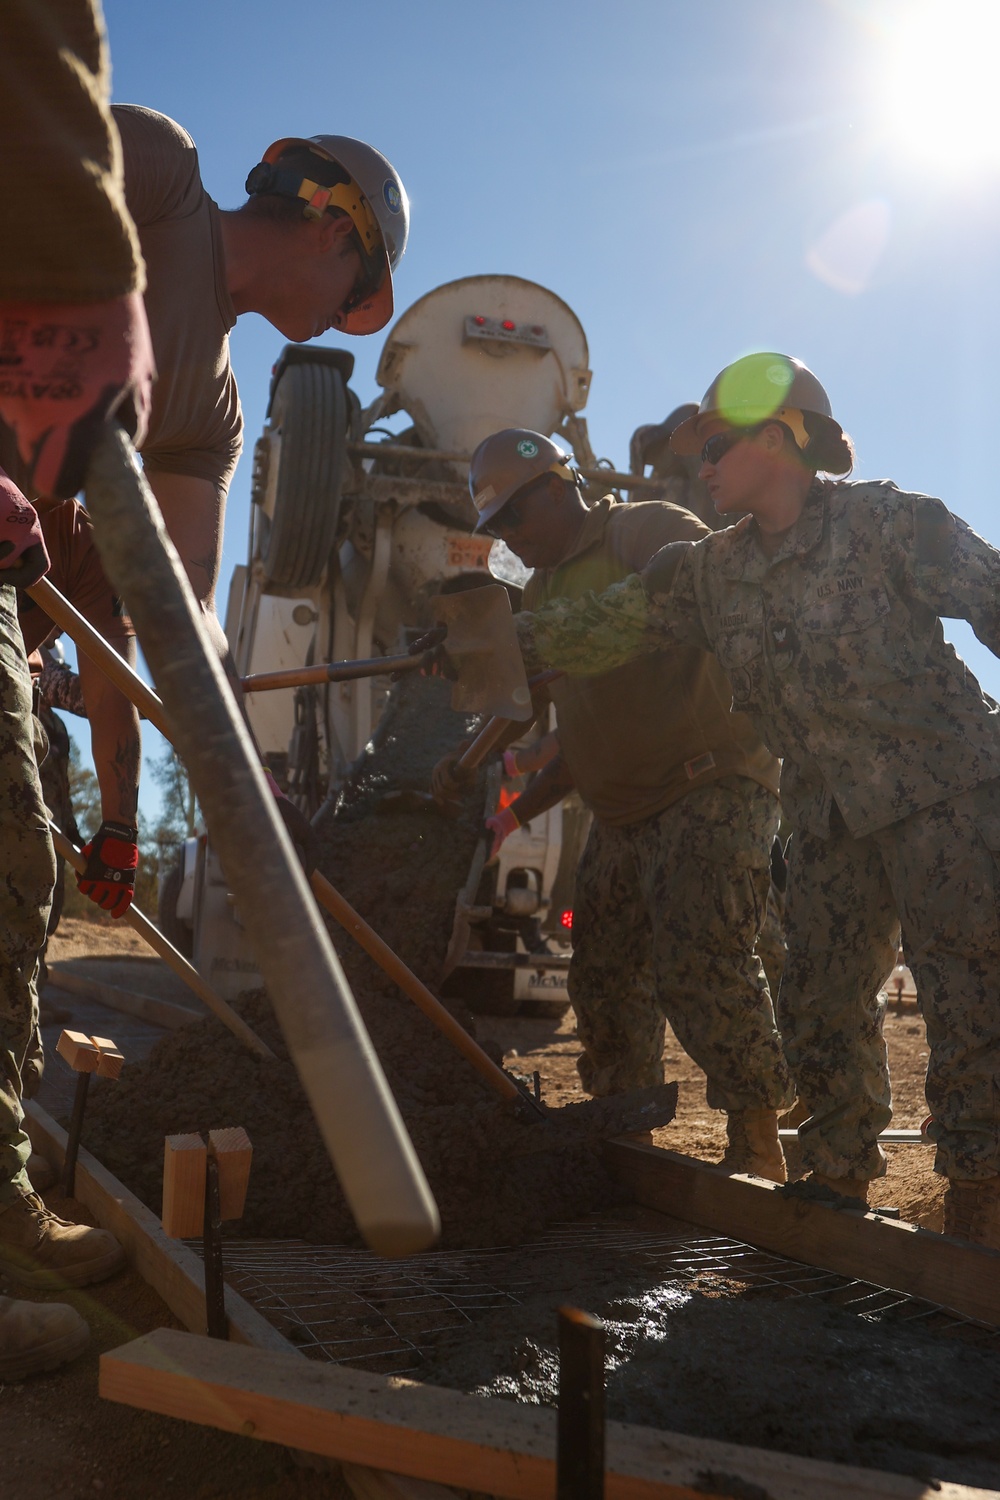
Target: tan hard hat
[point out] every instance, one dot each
(758, 388)
(367, 187)
(506, 462)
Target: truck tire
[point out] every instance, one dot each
(309, 410)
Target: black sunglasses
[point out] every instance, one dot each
(719, 444)
(511, 516)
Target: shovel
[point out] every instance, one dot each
(482, 644)
(128, 682)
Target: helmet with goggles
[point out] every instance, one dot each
(338, 172)
(506, 462)
(758, 389)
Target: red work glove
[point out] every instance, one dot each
(23, 558)
(65, 370)
(502, 825)
(112, 857)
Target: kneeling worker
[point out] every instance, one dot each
(672, 887)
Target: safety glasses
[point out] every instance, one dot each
(719, 444)
(512, 515)
(506, 520)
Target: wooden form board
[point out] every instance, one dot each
(918, 1262)
(146, 1007)
(494, 1447)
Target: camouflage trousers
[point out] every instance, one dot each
(936, 876)
(25, 891)
(665, 918)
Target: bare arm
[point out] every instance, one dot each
(193, 513)
(114, 739)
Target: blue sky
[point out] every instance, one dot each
(694, 179)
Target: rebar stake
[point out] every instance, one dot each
(75, 1132)
(85, 1055)
(217, 1324)
(580, 1439)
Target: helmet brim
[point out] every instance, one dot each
(372, 314)
(685, 439)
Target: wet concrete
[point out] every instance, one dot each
(714, 1359)
(497, 1177)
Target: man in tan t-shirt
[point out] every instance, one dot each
(672, 886)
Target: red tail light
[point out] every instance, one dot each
(566, 920)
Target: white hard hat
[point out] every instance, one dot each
(341, 172)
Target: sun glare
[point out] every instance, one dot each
(942, 91)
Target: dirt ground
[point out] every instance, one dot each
(910, 1184)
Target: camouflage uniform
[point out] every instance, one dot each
(665, 916)
(891, 762)
(25, 892)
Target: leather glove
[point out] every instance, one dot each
(23, 558)
(297, 826)
(446, 779)
(68, 369)
(112, 858)
(502, 825)
(436, 661)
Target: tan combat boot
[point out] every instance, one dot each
(972, 1210)
(845, 1187)
(38, 1249)
(753, 1146)
(37, 1336)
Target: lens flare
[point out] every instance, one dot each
(940, 89)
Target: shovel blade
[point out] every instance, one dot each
(482, 642)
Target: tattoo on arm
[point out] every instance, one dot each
(126, 769)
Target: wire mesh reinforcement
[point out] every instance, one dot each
(350, 1307)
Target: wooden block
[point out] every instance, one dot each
(446, 1437)
(79, 1051)
(233, 1153)
(184, 1159)
(176, 1273)
(111, 1061)
(918, 1262)
(90, 1054)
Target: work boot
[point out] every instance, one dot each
(37, 1249)
(37, 1336)
(972, 1210)
(753, 1146)
(855, 1188)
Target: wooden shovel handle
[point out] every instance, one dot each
(342, 911)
